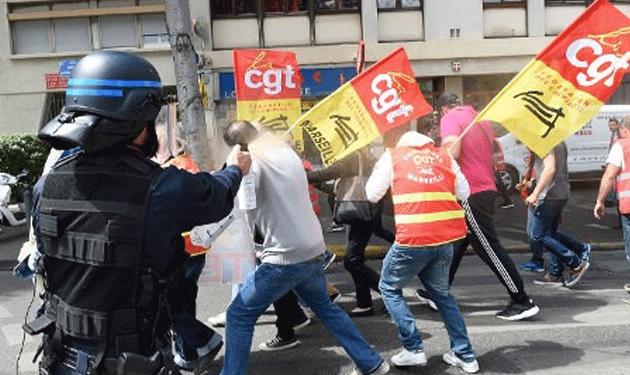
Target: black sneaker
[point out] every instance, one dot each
(518, 311)
(278, 343)
(205, 362)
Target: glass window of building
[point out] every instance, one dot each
(504, 3)
(337, 5)
(154, 32)
(31, 36)
(71, 34)
(118, 31)
(398, 4)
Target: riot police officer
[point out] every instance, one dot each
(108, 222)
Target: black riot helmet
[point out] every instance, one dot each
(111, 97)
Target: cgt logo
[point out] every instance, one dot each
(271, 79)
(388, 101)
(604, 66)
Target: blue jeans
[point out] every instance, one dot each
(268, 283)
(544, 231)
(625, 225)
(431, 264)
(537, 248)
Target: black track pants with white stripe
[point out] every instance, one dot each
(481, 234)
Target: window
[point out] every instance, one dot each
(337, 5)
(153, 30)
(568, 2)
(68, 26)
(504, 3)
(399, 4)
(67, 35)
(233, 7)
(118, 31)
(284, 6)
(31, 36)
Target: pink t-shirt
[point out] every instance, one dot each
(475, 157)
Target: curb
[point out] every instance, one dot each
(378, 252)
(9, 233)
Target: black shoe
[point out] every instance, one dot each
(205, 362)
(507, 205)
(334, 296)
(278, 343)
(358, 312)
(518, 311)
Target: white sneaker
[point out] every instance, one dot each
(217, 320)
(454, 360)
(407, 358)
(382, 369)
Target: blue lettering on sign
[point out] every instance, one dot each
(66, 67)
(317, 82)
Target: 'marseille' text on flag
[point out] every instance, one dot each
(567, 83)
(381, 98)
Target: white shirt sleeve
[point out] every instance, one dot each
(615, 157)
(462, 189)
(381, 178)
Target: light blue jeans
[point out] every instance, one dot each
(268, 283)
(431, 264)
(625, 225)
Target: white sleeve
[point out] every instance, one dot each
(381, 178)
(462, 189)
(615, 157)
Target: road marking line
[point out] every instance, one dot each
(4, 313)
(13, 334)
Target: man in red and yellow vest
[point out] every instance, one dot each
(426, 184)
(618, 168)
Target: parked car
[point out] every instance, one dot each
(588, 149)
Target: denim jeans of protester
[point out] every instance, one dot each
(537, 248)
(268, 283)
(431, 264)
(625, 226)
(544, 228)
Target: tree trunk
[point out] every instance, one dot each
(195, 133)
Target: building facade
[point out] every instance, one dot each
(470, 47)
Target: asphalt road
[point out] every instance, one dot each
(583, 330)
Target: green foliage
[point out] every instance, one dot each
(20, 152)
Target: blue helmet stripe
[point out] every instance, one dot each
(93, 92)
(113, 83)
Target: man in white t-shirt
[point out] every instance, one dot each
(617, 169)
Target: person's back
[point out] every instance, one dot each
(284, 213)
(476, 156)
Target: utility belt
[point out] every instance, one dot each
(82, 363)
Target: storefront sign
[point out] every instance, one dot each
(55, 81)
(316, 83)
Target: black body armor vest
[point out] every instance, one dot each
(99, 289)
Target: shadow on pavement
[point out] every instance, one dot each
(519, 359)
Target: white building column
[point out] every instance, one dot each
(369, 21)
(536, 18)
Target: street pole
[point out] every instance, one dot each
(195, 133)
